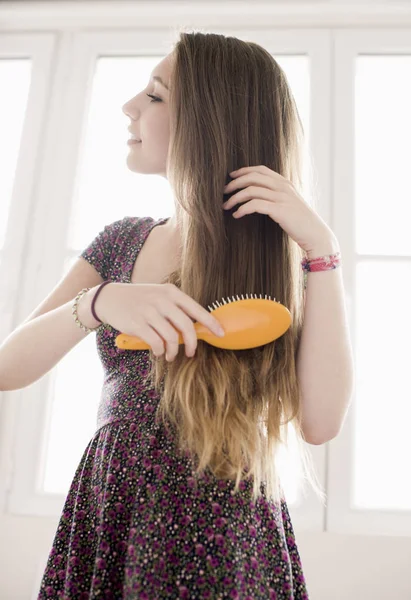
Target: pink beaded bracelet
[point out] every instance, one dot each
(322, 263)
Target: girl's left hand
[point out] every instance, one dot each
(269, 193)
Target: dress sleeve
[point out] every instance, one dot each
(101, 251)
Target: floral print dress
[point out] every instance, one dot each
(135, 524)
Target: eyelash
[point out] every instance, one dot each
(155, 99)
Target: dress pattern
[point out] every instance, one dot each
(136, 525)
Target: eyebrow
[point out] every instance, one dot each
(157, 78)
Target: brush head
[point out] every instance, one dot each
(248, 323)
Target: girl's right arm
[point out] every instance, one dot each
(158, 313)
(39, 343)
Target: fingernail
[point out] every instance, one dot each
(221, 331)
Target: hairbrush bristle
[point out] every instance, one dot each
(229, 299)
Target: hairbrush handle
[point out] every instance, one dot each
(248, 323)
(130, 342)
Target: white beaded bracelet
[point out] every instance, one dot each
(74, 312)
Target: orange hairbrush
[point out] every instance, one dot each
(247, 322)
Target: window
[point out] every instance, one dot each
(15, 75)
(382, 134)
(345, 84)
(372, 209)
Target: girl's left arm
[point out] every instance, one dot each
(324, 363)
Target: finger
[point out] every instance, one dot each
(197, 312)
(247, 180)
(263, 169)
(185, 326)
(157, 320)
(200, 314)
(151, 337)
(169, 334)
(263, 207)
(251, 192)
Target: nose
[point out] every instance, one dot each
(126, 109)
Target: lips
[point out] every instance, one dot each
(134, 136)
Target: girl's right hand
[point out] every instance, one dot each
(156, 313)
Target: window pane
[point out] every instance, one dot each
(106, 191)
(15, 77)
(297, 71)
(73, 397)
(290, 469)
(383, 390)
(383, 154)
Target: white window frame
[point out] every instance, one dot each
(40, 48)
(19, 273)
(342, 517)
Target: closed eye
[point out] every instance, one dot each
(155, 98)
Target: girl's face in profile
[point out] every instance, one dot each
(149, 115)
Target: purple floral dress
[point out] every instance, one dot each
(135, 525)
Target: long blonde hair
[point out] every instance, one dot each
(232, 107)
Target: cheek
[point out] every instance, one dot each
(158, 129)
